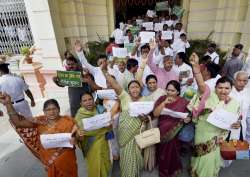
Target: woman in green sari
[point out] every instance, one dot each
(131, 160)
(93, 144)
(207, 161)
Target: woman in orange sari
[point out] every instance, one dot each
(58, 162)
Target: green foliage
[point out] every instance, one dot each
(96, 48)
(25, 51)
(199, 46)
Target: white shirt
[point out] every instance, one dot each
(159, 57)
(13, 86)
(214, 57)
(169, 22)
(147, 71)
(243, 98)
(180, 46)
(210, 83)
(177, 34)
(118, 35)
(97, 73)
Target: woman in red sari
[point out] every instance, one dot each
(169, 148)
(58, 162)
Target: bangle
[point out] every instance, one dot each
(197, 72)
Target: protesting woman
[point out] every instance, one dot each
(131, 160)
(58, 162)
(94, 144)
(169, 149)
(206, 161)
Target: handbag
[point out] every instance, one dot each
(186, 134)
(234, 149)
(148, 137)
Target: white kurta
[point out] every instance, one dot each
(243, 98)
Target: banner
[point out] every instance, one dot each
(69, 78)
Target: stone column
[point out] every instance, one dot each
(47, 59)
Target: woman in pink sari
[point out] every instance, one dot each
(169, 148)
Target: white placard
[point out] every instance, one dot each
(158, 27)
(222, 118)
(167, 35)
(150, 13)
(107, 94)
(56, 140)
(146, 36)
(97, 122)
(120, 52)
(140, 107)
(139, 22)
(174, 114)
(148, 25)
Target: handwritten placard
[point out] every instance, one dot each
(107, 94)
(146, 36)
(158, 26)
(140, 107)
(148, 25)
(222, 118)
(56, 140)
(166, 35)
(97, 122)
(120, 52)
(69, 78)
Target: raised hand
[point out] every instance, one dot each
(78, 46)
(194, 59)
(152, 44)
(138, 41)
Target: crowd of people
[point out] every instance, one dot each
(157, 71)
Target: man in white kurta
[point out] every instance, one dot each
(241, 94)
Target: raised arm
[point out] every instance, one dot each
(150, 62)
(137, 44)
(17, 120)
(194, 60)
(82, 58)
(114, 84)
(139, 73)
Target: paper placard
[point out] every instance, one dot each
(140, 107)
(56, 140)
(150, 13)
(96, 122)
(167, 35)
(222, 118)
(148, 25)
(184, 74)
(107, 94)
(69, 78)
(146, 36)
(174, 114)
(139, 22)
(158, 27)
(119, 52)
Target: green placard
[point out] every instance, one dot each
(162, 6)
(69, 78)
(129, 46)
(134, 30)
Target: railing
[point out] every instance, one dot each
(14, 27)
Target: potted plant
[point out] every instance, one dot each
(25, 51)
